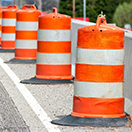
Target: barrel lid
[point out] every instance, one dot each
(28, 8)
(55, 14)
(3, 7)
(101, 26)
(10, 8)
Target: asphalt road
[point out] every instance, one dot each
(37, 105)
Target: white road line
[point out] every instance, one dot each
(42, 115)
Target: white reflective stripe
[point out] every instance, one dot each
(100, 57)
(8, 37)
(26, 44)
(98, 90)
(54, 35)
(8, 22)
(0, 21)
(27, 26)
(55, 59)
(0, 33)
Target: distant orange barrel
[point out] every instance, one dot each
(8, 27)
(1, 8)
(26, 32)
(54, 47)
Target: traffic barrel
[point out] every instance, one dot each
(99, 77)
(26, 35)
(8, 27)
(54, 49)
(1, 8)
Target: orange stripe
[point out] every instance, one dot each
(99, 73)
(98, 108)
(28, 54)
(7, 44)
(52, 23)
(0, 40)
(28, 15)
(53, 71)
(8, 29)
(26, 35)
(0, 13)
(54, 47)
(9, 13)
(92, 40)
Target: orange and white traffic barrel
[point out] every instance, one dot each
(99, 77)
(8, 27)
(26, 32)
(1, 8)
(54, 48)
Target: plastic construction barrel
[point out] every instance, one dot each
(99, 77)
(1, 8)
(54, 47)
(53, 50)
(8, 27)
(26, 32)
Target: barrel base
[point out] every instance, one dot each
(54, 77)
(17, 61)
(6, 50)
(25, 58)
(45, 81)
(93, 122)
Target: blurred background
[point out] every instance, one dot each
(116, 11)
(43, 5)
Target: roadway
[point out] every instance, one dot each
(36, 105)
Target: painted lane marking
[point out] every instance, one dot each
(42, 115)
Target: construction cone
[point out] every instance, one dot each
(99, 77)
(8, 29)
(26, 35)
(54, 50)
